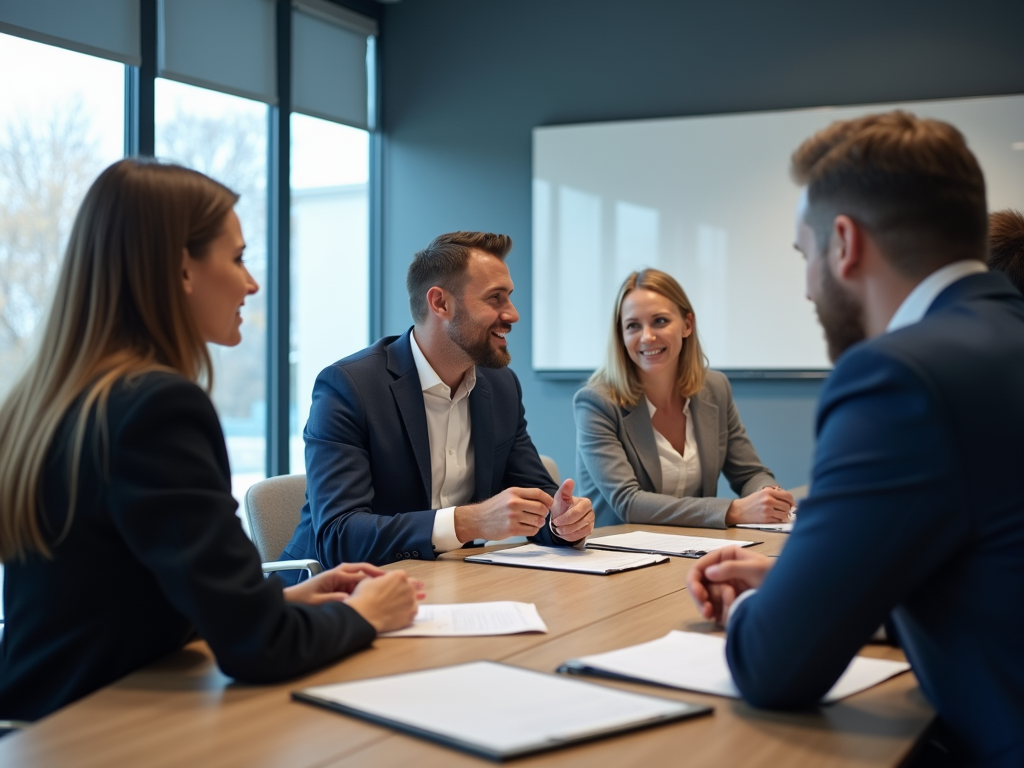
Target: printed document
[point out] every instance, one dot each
(696, 662)
(664, 543)
(567, 559)
(473, 619)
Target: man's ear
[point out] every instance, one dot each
(439, 302)
(186, 272)
(846, 251)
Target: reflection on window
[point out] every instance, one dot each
(61, 123)
(225, 137)
(329, 257)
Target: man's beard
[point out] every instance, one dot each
(477, 343)
(839, 314)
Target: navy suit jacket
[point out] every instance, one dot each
(916, 508)
(368, 457)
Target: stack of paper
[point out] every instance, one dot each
(696, 662)
(779, 527)
(664, 543)
(567, 559)
(496, 710)
(473, 619)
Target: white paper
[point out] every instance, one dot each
(696, 662)
(497, 707)
(567, 559)
(665, 543)
(473, 619)
(780, 527)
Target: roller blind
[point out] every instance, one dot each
(331, 71)
(105, 28)
(227, 45)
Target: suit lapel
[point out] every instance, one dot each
(481, 419)
(640, 433)
(408, 396)
(705, 431)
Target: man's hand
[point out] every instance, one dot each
(718, 578)
(572, 517)
(336, 584)
(513, 512)
(388, 602)
(769, 505)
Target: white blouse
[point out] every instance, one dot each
(680, 475)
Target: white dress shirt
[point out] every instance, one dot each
(680, 474)
(449, 432)
(911, 311)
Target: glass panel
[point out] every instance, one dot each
(225, 137)
(330, 257)
(61, 123)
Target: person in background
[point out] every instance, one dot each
(916, 510)
(417, 445)
(655, 427)
(118, 531)
(1006, 245)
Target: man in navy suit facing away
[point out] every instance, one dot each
(417, 445)
(916, 506)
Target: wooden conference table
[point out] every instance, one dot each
(183, 711)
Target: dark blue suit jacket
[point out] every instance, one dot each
(368, 457)
(916, 509)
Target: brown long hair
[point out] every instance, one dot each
(618, 374)
(119, 310)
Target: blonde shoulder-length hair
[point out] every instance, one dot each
(119, 309)
(618, 376)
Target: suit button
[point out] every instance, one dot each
(406, 554)
(415, 553)
(398, 555)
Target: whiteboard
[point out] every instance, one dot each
(709, 200)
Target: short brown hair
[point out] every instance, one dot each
(443, 263)
(911, 182)
(618, 375)
(1006, 244)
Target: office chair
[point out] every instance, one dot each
(273, 507)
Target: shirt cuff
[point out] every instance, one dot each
(443, 536)
(736, 604)
(575, 544)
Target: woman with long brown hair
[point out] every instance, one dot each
(655, 427)
(118, 531)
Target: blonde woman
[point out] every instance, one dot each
(117, 526)
(655, 427)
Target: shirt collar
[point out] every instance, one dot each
(429, 380)
(652, 410)
(920, 299)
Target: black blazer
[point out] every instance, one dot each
(916, 507)
(154, 554)
(368, 457)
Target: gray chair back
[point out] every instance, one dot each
(273, 507)
(552, 467)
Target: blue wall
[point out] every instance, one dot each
(465, 81)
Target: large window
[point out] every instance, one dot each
(225, 137)
(61, 123)
(330, 257)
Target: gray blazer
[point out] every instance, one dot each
(618, 469)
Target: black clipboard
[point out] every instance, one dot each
(672, 711)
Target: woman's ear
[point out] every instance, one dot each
(687, 324)
(186, 272)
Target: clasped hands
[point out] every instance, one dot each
(718, 578)
(523, 512)
(386, 599)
